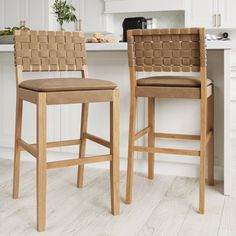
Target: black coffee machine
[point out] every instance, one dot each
(133, 23)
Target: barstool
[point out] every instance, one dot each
(170, 50)
(37, 51)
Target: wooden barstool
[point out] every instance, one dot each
(170, 50)
(37, 51)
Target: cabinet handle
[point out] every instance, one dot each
(80, 25)
(219, 20)
(214, 20)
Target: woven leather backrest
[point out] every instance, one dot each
(167, 50)
(49, 51)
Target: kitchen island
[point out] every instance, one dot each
(109, 61)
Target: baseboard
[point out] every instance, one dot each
(169, 167)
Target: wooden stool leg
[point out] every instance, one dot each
(114, 164)
(16, 175)
(83, 131)
(41, 161)
(202, 184)
(130, 164)
(151, 138)
(210, 147)
(203, 145)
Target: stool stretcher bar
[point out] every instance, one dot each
(76, 161)
(32, 148)
(98, 140)
(177, 136)
(167, 151)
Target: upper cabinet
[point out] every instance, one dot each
(201, 13)
(211, 13)
(123, 6)
(93, 18)
(226, 13)
(90, 15)
(34, 13)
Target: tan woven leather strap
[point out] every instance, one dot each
(167, 50)
(50, 51)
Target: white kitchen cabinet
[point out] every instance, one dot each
(93, 18)
(226, 13)
(201, 13)
(35, 13)
(211, 13)
(122, 6)
(90, 15)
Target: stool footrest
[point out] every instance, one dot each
(98, 140)
(64, 143)
(167, 151)
(32, 148)
(77, 161)
(177, 136)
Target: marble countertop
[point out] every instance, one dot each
(211, 45)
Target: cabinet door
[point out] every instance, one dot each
(34, 13)
(127, 6)
(202, 13)
(8, 104)
(93, 17)
(227, 14)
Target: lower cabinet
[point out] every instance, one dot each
(8, 103)
(63, 121)
(105, 66)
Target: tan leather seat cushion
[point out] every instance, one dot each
(172, 81)
(66, 84)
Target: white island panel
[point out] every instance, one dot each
(110, 62)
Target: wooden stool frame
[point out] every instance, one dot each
(39, 150)
(144, 59)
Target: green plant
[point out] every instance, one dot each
(64, 11)
(10, 31)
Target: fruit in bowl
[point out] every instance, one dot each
(99, 38)
(10, 31)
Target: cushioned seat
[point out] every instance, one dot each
(66, 84)
(172, 81)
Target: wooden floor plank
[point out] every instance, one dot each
(62, 191)
(163, 206)
(169, 215)
(207, 224)
(228, 220)
(146, 195)
(6, 169)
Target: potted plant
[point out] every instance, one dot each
(64, 11)
(6, 35)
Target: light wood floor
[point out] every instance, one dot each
(165, 206)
